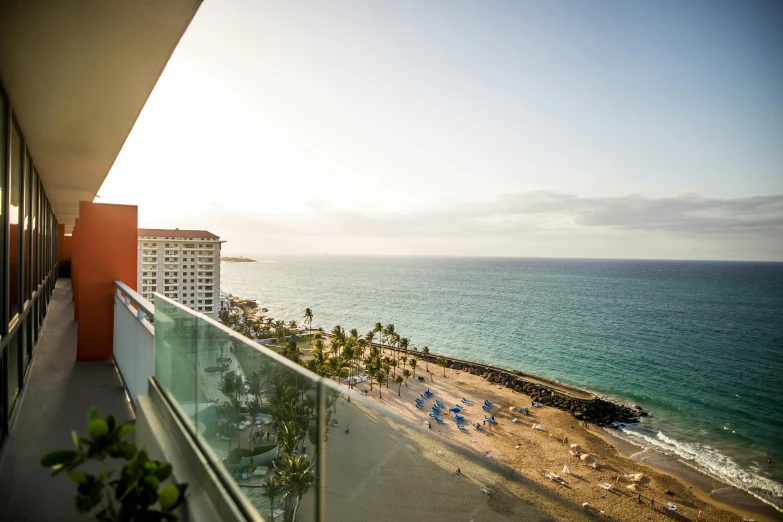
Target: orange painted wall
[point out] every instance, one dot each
(75, 268)
(106, 251)
(64, 244)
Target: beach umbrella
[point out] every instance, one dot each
(635, 488)
(641, 478)
(587, 458)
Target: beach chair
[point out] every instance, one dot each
(523, 410)
(535, 404)
(438, 403)
(486, 408)
(461, 427)
(459, 418)
(421, 379)
(490, 419)
(465, 401)
(455, 409)
(440, 421)
(477, 426)
(488, 403)
(419, 406)
(606, 486)
(432, 414)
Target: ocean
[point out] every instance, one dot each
(697, 343)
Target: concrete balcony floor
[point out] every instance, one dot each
(57, 395)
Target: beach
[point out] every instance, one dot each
(510, 458)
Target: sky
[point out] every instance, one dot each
(650, 129)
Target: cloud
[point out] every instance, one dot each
(551, 211)
(531, 223)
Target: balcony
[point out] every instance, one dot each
(167, 357)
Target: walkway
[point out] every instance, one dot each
(55, 401)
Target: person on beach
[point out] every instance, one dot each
(652, 503)
(639, 498)
(459, 472)
(347, 428)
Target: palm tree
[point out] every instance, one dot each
(290, 435)
(231, 385)
(404, 342)
(296, 476)
(272, 489)
(292, 325)
(404, 359)
(308, 317)
(232, 412)
(254, 410)
(413, 363)
(337, 339)
(255, 384)
(379, 379)
(393, 364)
(378, 329)
(442, 362)
(398, 380)
(426, 351)
(406, 374)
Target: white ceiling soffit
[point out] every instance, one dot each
(78, 73)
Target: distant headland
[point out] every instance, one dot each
(239, 259)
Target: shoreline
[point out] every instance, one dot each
(704, 486)
(694, 491)
(569, 399)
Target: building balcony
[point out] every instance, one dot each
(165, 375)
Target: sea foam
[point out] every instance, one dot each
(708, 460)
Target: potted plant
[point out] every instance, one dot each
(131, 493)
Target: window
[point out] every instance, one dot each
(14, 197)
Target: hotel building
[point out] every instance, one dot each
(183, 265)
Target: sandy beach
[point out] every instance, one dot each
(385, 458)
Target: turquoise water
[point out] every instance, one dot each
(698, 344)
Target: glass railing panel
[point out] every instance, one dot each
(255, 411)
(176, 355)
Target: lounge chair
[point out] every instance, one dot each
(461, 427)
(438, 403)
(439, 420)
(486, 408)
(488, 403)
(455, 409)
(421, 379)
(459, 417)
(419, 406)
(477, 426)
(466, 401)
(535, 404)
(432, 414)
(606, 486)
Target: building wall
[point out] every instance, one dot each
(28, 260)
(191, 268)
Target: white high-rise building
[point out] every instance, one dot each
(183, 265)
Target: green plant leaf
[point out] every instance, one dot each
(93, 415)
(57, 459)
(77, 477)
(164, 471)
(127, 429)
(75, 438)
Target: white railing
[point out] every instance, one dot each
(134, 339)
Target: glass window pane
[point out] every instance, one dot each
(3, 162)
(12, 353)
(34, 231)
(14, 198)
(26, 231)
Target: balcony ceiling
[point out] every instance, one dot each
(78, 73)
